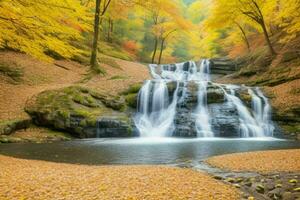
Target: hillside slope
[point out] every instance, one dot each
(22, 76)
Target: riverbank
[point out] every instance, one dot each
(29, 179)
(261, 161)
(263, 174)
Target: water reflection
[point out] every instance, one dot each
(140, 151)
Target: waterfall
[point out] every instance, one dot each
(203, 126)
(257, 123)
(169, 91)
(262, 111)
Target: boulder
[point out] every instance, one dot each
(79, 110)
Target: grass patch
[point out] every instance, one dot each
(133, 89)
(118, 77)
(109, 61)
(13, 72)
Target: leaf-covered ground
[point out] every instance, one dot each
(38, 76)
(261, 161)
(28, 179)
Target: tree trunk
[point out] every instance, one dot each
(244, 36)
(111, 30)
(154, 51)
(161, 50)
(108, 30)
(96, 35)
(267, 38)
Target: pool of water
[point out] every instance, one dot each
(170, 151)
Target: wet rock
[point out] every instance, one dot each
(296, 189)
(293, 181)
(287, 196)
(275, 194)
(230, 180)
(215, 95)
(248, 184)
(270, 185)
(260, 188)
(218, 177)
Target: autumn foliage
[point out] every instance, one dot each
(155, 31)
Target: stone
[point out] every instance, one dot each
(239, 180)
(8, 127)
(260, 188)
(248, 184)
(77, 110)
(218, 177)
(287, 196)
(293, 181)
(296, 189)
(131, 100)
(230, 180)
(270, 185)
(275, 194)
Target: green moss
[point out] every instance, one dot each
(131, 100)
(78, 99)
(109, 61)
(135, 88)
(118, 77)
(13, 72)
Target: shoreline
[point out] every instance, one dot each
(34, 179)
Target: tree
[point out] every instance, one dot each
(100, 9)
(253, 10)
(43, 28)
(288, 18)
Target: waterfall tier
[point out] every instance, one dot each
(181, 101)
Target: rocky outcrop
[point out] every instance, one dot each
(289, 121)
(8, 127)
(82, 112)
(222, 66)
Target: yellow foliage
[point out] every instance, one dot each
(40, 26)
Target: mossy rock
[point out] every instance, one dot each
(133, 89)
(131, 100)
(215, 95)
(8, 127)
(245, 97)
(77, 110)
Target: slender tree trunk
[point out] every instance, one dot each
(155, 50)
(161, 50)
(108, 30)
(111, 30)
(244, 36)
(96, 35)
(267, 38)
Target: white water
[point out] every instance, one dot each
(157, 110)
(256, 123)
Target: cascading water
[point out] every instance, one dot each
(203, 126)
(166, 105)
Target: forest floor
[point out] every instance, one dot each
(22, 77)
(260, 161)
(29, 179)
(37, 76)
